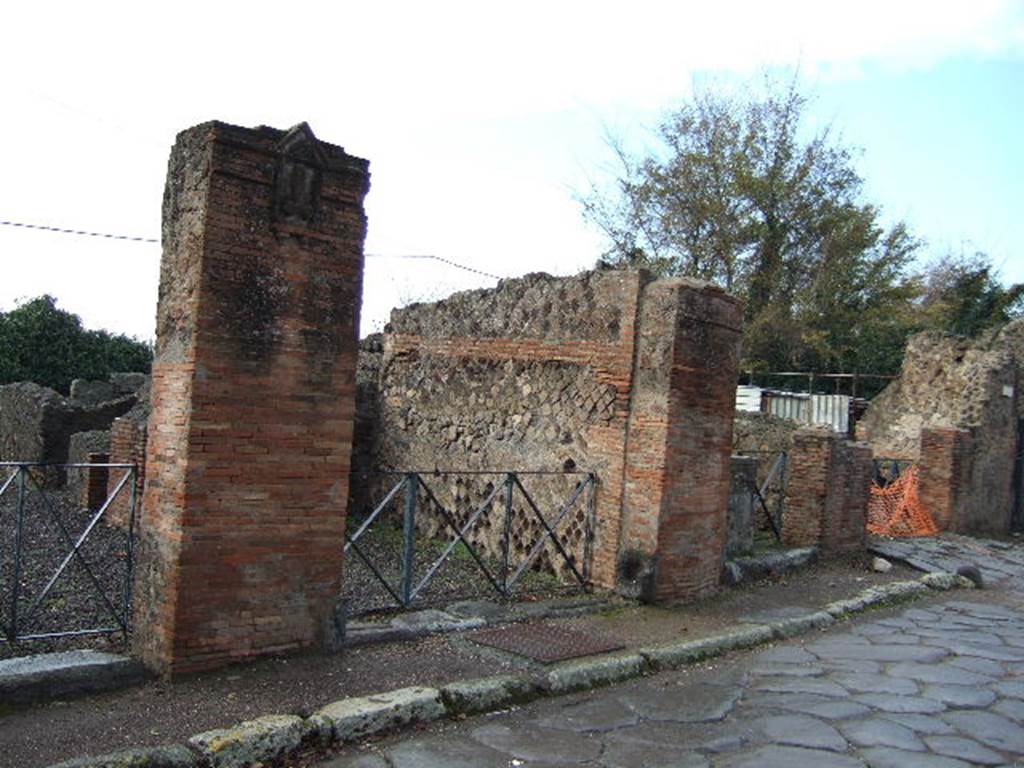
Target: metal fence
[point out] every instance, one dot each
(769, 492)
(491, 527)
(65, 570)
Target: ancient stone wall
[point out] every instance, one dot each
(950, 383)
(827, 492)
(253, 397)
(37, 423)
(607, 372)
(762, 433)
(532, 376)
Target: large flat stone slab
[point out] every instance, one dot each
(48, 676)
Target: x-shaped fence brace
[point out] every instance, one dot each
(22, 473)
(413, 482)
(777, 472)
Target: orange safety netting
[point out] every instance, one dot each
(895, 509)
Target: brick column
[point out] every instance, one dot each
(943, 474)
(680, 436)
(827, 492)
(127, 446)
(253, 397)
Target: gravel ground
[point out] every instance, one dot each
(162, 712)
(78, 601)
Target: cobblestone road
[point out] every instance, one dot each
(940, 685)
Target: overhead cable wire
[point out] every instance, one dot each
(131, 238)
(81, 232)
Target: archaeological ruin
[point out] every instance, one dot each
(955, 411)
(268, 432)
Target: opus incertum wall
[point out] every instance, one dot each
(250, 434)
(609, 371)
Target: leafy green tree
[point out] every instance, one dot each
(963, 295)
(44, 344)
(740, 193)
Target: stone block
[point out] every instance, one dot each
(356, 718)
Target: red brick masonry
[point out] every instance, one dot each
(827, 491)
(253, 397)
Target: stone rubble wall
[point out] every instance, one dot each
(594, 373)
(37, 423)
(947, 385)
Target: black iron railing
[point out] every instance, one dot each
(769, 491)
(519, 526)
(65, 568)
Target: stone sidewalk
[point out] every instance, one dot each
(660, 655)
(938, 686)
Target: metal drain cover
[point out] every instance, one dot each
(545, 643)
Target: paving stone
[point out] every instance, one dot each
(993, 652)
(942, 674)
(840, 648)
(1013, 689)
(857, 666)
(832, 709)
(921, 724)
(457, 752)
(532, 743)
(887, 757)
(960, 695)
(803, 731)
(800, 685)
(920, 615)
(960, 636)
(964, 749)
(360, 761)
(772, 669)
(1011, 708)
(989, 728)
(630, 755)
(983, 610)
(698, 703)
(875, 683)
(791, 757)
(786, 654)
(601, 714)
(981, 666)
(914, 704)
(881, 732)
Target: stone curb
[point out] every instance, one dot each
(270, 738)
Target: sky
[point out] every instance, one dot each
(481, 122)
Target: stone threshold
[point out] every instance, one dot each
(275, 737)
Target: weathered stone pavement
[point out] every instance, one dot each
(940, 686)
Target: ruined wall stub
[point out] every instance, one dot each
(828, 487)
(947, 385)
(607, 371)
(528, 376)
(252, 398)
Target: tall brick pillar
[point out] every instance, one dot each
(944, 475)
(827, 490)
(680, 437)
(253, 397)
